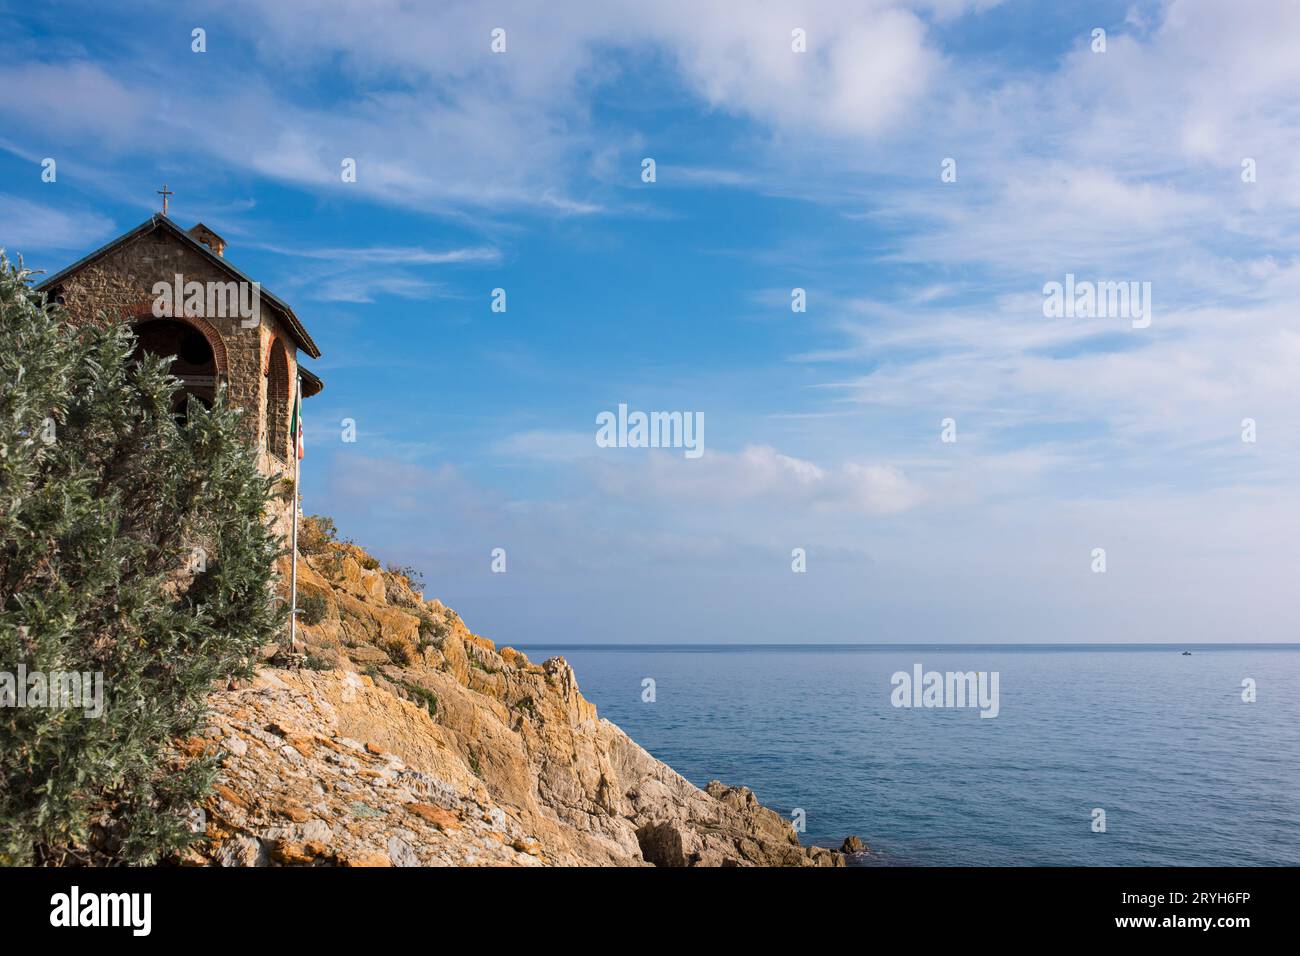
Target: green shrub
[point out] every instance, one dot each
(102, 497)
(315, 534)
(398, 650)
(432, 631)
(423, 696)
(311, 608)
(414, 578)
(330, 562)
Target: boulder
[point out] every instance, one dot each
(852, 845)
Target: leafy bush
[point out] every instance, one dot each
(311, 608)
(432, 631)
(398, 650)
(103, 496)
(423, 695)
(315, 534)
(414, 577)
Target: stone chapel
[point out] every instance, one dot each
(223, 328)
(252, 351)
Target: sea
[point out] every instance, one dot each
(1099, 755)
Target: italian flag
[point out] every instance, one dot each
(295, 423)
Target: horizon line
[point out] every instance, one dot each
(846, 644)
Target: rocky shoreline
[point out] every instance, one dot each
(400, 738)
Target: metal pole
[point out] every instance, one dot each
(293, 573)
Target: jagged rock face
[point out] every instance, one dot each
(298, 785)
(416, 742)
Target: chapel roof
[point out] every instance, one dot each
(159, 221)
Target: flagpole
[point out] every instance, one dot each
(293, 572)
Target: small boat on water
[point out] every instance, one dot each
(1187, 653)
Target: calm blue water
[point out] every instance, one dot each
(1186, 771)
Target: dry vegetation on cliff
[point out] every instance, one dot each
(409, 740)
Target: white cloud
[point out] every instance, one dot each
(26, 225)
(758, 473)
(544, 445)
(359, 287)
(866, 63)
(519, 122)
(389, 255)
(75, 100)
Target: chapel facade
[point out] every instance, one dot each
(183, 298)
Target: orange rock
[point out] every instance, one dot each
(514, 657)
(290, 853)
(440, 818)
(531, 847)
(216, 833)
(302, 743)
(230, 796)
(193, 746)
(293, 811)
(482, 642)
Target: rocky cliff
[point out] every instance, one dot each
(404, 739)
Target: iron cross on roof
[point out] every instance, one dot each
(164, 192)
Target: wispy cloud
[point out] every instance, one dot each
(388, 255)
(29, 226)
(723, 479)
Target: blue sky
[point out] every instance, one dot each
(775, 170)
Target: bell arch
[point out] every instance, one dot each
(277, 400)
(198, 356)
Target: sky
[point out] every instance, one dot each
(922, 170)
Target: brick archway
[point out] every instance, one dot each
(200, 325)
